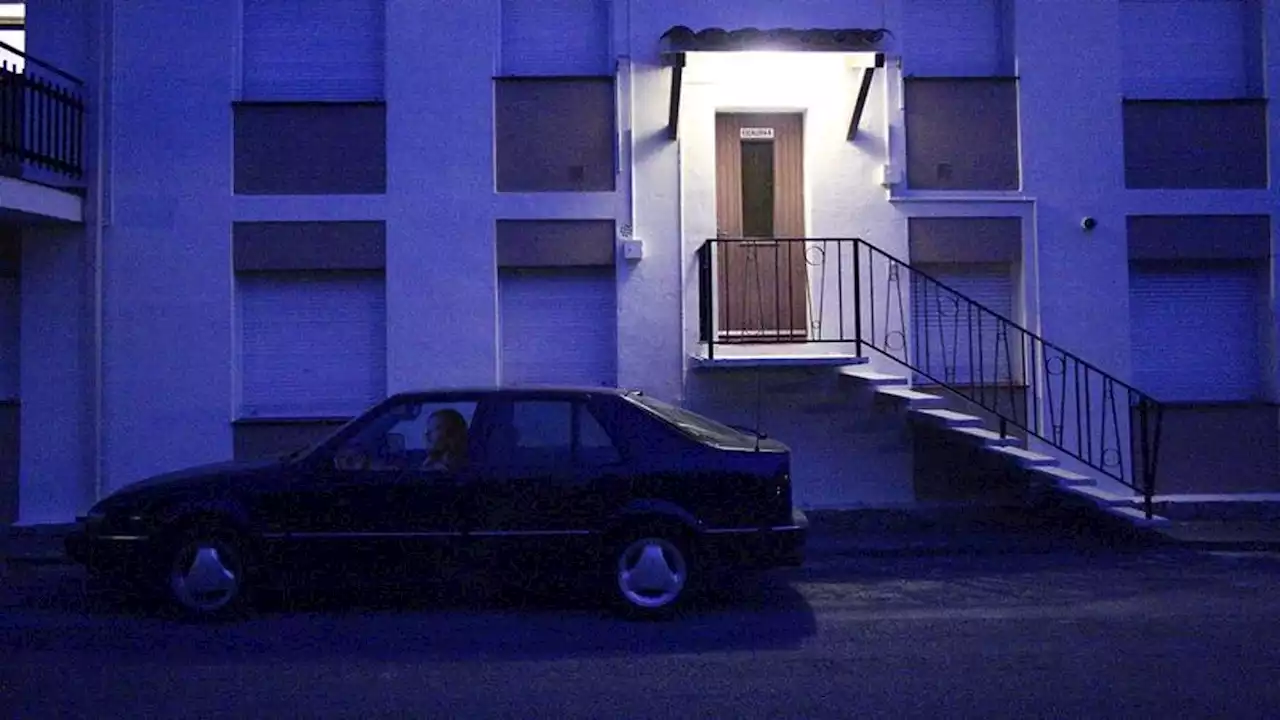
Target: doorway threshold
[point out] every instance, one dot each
(728, 356)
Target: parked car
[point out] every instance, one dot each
(644, 500)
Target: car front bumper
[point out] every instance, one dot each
(98, 551)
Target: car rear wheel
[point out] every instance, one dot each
(205, 573)
(651, 574)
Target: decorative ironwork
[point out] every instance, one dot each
(41, 117)
(947, 339)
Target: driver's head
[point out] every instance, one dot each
(446, 431)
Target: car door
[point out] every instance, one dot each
(548, 473)
(366, 507)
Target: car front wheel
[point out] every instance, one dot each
(651, 574)
(205, 573)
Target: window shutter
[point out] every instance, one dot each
(952, 38)
(1184, 49)
(957, 345)
(555, 37)
(314, 49)
(313, 344)
(1195, 332)
(559, 327)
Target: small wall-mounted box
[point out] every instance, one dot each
(632, 249)
(889, 175)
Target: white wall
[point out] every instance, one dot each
(54, 478)
(1073, 166)
(56, 475)
(58, 33)
(847, 448)
(167, 273)
(440, 228)
(16, 39)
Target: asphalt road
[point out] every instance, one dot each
(1135, 635)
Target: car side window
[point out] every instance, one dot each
(595, 447)
(543, 433)
(418, 436)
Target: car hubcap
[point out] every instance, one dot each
(651, 572)
(204, 578)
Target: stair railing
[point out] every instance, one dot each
(845, 290)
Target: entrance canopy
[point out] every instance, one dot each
(678, 41)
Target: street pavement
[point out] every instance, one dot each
(1085, 633)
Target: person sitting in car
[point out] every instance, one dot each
(446, 440)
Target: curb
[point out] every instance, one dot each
(1230, 545)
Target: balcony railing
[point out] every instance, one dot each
(845, 290)
(41, 119)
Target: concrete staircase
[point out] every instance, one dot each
(1044, 471)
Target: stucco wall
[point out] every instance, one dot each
(847, 447)
(52, 467)
(55, 462)
(440, 146)
(167, 278)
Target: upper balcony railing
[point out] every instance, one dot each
(41, 120)
(824, 290)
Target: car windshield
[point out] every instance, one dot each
(701, 427)
(305, 450)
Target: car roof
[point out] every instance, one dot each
(514, 390)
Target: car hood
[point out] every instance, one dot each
(208, 475)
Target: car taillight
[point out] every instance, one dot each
(779, 500)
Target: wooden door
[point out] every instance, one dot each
(760, 198)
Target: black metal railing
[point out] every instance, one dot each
(845, 290)
(41, 117)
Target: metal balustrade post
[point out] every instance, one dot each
(857, 296)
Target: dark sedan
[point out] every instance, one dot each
(646, 501)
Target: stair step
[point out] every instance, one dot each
(913, 397)
(1106, 498)
(1136, 516)
(1025, 457)
(950, 418)
(872, 377)
(990, 437)
(1065, 477)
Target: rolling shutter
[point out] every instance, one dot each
(314, 49)
(952, 38)
(9, 348)
(1195, 331)
(1184, 49)
(312, 344)
(555, 37)
(559, 326)
(952, 343)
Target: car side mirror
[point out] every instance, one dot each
(349, 459)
